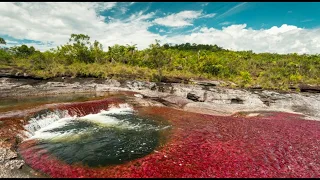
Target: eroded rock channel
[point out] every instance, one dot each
(109, 128)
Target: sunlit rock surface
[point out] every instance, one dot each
(216, 99)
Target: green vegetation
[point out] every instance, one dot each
(2, 41)
(80, 57)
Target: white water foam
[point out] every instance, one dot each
(43, 121)
(38, 127)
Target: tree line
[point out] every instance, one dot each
(82, 57)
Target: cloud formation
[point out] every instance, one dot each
(283, 39)
(183, 18)
(53, 23)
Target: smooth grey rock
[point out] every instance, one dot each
(180, 101)
(220, 98)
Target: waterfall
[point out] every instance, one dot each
(42, 121)
(47, 126)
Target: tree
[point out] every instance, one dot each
(117, 53)
(79, 39)
(80, 46)
(131, 49)
(78, 50)
(38, 61)
(23, 50)
(2, 41)
(97, 51)
(166, 46)
(157, 57)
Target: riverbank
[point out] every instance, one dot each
(209, 97)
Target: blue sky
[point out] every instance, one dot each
(282, 27)
(255, 14)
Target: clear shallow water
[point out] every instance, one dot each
(20, 101)
(111, 136)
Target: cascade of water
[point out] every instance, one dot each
(41, 121)
(121, 117)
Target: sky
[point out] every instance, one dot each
(275, 27)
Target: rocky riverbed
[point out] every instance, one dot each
(205, 97)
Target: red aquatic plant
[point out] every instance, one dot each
(276, 145)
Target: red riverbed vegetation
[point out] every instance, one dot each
(272, 145)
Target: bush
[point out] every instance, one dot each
(246, 78)
(5, 57)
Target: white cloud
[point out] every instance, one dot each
(283, 39)
(124, 7)
(55, 22)
(183, 18)
(140, 16)
(101, 6)
(225, 23)
(209, 15)
(204, 4)
(123, 10)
